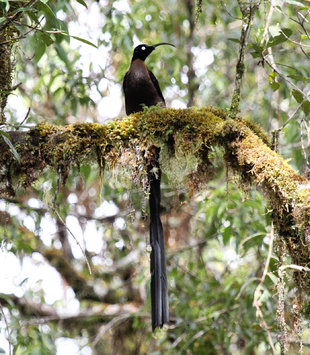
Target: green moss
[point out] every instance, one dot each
(257, 129)
(186, 138)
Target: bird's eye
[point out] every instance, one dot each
(143, 48)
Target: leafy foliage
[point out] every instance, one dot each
(218, 239)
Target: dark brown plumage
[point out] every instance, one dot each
(140, 84)
(141, 88)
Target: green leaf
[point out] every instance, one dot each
(7, 4)
(51, 19)
(256, 47)
(272, 77)
(7, 140)
(22, 9)
(306, 107)
(252, 241)
(255, 54)
(39, 45)
(287, 32)
(274, 86)
(8, 299)
(297, 95)
(299, 77)
(33, 16)
(46, 38)
(79, 39)
(293, 2)
(234, 40)
(275, 30)
(62, 53)
(227, 234)
(84, 41)
(82, 3)
(272, 277)
(258, 50)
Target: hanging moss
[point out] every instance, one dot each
(187, 138)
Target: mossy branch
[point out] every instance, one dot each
(248, 10)
(190, 131)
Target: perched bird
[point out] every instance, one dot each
(140, 84)
(141, 88)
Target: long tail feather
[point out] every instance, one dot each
(159, 287)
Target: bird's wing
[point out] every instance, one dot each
(124, 83)
(155, 82)
(125, 89)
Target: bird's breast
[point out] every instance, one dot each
(139, 88)
(138, 73)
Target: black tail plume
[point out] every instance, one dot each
(159, 286)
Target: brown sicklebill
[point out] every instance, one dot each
(141, 88)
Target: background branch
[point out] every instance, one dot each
(248, 10)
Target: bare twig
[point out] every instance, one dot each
(77, 242)
(276, 70)
(291, 116)
(268, 21)
(260, 313)
(280, 310)
(113, 323)
(24, 119)
(269, 254)
(257, 294)
(7, 328)
(294, 267)
(192, 339)
(303, 148)
(292, 41)
(172, 252)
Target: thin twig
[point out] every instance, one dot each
(172, 252)
(77, 242)
(24, 35)
(24, 119)
(269, 255)
(268, 21)
(276, 70)
(113, 323)
(292, 41)
(294, 267)
(294, 113)
(303, 148)
(257, 294)
(7, 328)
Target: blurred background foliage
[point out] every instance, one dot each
(70, 58)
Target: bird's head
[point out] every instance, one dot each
(142, 51)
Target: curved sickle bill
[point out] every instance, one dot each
(163, 43)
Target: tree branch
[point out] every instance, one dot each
(190, 131)
(248, 10)
(46, 314)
